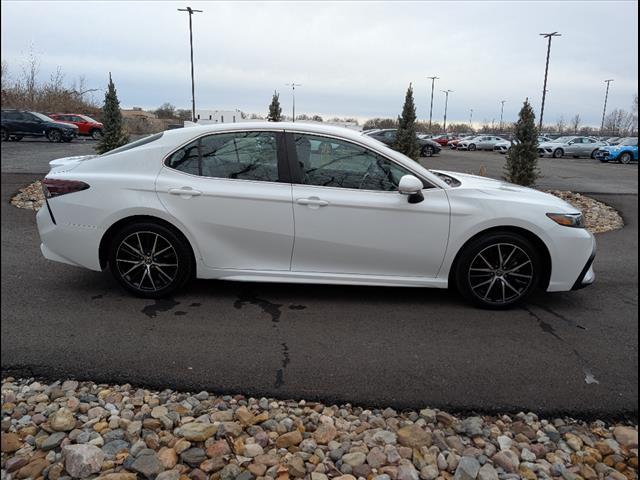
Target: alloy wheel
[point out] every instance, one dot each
(54, 136)
(147, 261)
(625, 158)
(500, 274)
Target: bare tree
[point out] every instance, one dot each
(30, 70)
(561, 124)
(575, 123)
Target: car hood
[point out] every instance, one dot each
(492, 187)
(615, 148)
(58, 123)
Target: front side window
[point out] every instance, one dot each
(329, 162)
(240, 156)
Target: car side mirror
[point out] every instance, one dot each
(412, 187)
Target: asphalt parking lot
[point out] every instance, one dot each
(573, 353)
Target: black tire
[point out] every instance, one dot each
(472, 146)
(5, 135)
(96, 134)
(427, 151)
(54, 135)
(625, 157)
(160, 275)
(593, 154)
(558, 153)
(494, 287)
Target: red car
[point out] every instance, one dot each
(444, 139)
(86, 125)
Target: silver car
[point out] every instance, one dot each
(480, 142)
(504, 146)
(571, 146)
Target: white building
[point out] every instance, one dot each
(206, 117)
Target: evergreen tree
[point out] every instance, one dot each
(521, 166)
(406, 140)
(275, 111)
(113, 132)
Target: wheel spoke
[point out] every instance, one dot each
(163, 273)
(485, 261)
(504, 293)
(132, 248)
(518, 267)
(506, 262)
(131, 269)
(139, 243)
(153, 249)
(500, 257)
(163, 250)
(493, 281)
(520, 275)
(511, 287)
(165, 264)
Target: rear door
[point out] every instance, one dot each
(232, 192)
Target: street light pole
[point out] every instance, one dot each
(470, 117)
(604, 110)
(501, 112)
(546, 72)
(293, 86)
(446, 103)
(433, 80)
(193, 88)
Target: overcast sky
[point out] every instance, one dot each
(352, 58)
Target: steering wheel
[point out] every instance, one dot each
(367, 174)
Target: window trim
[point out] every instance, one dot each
(282, 162)
(294, 165)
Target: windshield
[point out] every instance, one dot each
(629, 142)
(43, 117)
(137, 143)
(88, 119)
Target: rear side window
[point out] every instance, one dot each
(238, 155)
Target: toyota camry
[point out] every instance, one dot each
(289, 202)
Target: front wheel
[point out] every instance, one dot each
(625, 158)
(150, 260)
(427, 151)
(96, 134)
(498, 270)
(54, 136)
(558, 153)
(472, 147)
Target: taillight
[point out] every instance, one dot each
(54, 188)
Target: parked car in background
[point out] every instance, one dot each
(17, 124)
(571, 146)
(479, 142)
(625, 151)
(444, 139)
(612, 140)
(86, 125)
(453, 144)
(388, 136)
(225, 202)
(504, 146)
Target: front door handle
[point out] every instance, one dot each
(185, 192)
(313, 202)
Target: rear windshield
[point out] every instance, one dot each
(137, 143)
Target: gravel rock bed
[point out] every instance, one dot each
(599, 217)
(76, 429)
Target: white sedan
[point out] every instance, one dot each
(504, 146)
(479, 142)
(303, 203)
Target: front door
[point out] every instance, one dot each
(231, 192)
(350, 218)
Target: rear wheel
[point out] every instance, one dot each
(558, 153)
(54, 135)
(625, 157)
(150, 260)
(498, 270)
(427, 151)
(472, 146)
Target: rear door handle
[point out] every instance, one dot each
(185, 192)
(313, 202)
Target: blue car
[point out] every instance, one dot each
(624, 152)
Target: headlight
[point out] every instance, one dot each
(575, 220)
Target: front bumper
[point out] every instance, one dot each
(587, 275)
(603, 156)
